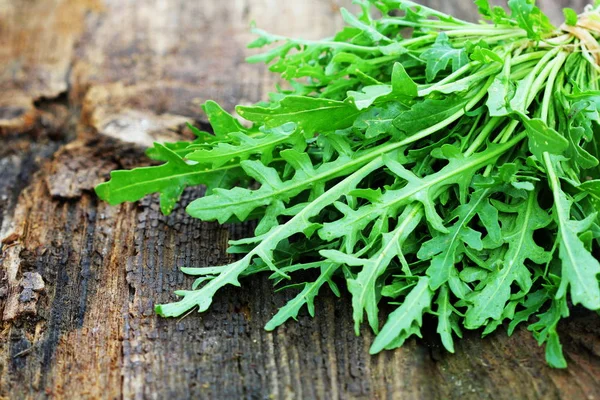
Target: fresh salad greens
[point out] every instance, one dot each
(440, 166)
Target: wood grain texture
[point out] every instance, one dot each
(37, 39)
(135, 72)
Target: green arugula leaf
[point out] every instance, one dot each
(495, 14)
(169, 179)
(369, 30)
(221, 121)
(443, 250)
(307, 296)
(545, 332)
(246, 146)
(580, 269)
(570, 16)
(423, 190)
(489, 302)
(542, 138)
(368, 95)
(575, 151)
(428, 113)
(485, 56)
(532, 304)
(240, 202)
(530, 18)
(312, 115)
(402, 88)
(448, 321)
(441, 54)
(401, 320)
(202, 298)
(378, 121)
(362, 288)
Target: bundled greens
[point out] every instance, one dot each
(440, 166)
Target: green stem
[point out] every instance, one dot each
(452, 77)
(535, 85)
(431, 11)
(494, 35)
(554, 185)
(458, 30)
(542, 78)
(478, 162)
(522, 71)
(492, 69)
(468, 81)
(357, 48)
(482, 137)
(560, 59)
(426, 23)
(476, 125)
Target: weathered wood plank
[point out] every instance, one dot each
(92, 333)
(167, 61)
(37, 39)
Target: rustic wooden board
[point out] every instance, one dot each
(84, 86)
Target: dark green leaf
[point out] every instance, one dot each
(169, 179)
(312, 115)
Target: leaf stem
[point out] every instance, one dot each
(558, 63)
(431, 11)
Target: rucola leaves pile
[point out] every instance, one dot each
(441, 166)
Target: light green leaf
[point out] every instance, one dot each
(441, 54)
(429, 112)
(443, 250)
(401, 320)
(368, 95)
(544, 330)
(542, 138)
(240, 202)
(402, 88)
(369, 30)
(220, 120)
(489, 301)
(310, 114)
(378, 121)
(530, 18)
(307, 296)
(448, 322)
(501, 92)
(579, 268)
(402, 84)
(485, 56)
(570, 16)
(362, 288)
(246, 146)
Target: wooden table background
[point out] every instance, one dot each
(84, 86)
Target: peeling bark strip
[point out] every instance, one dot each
(79, 278)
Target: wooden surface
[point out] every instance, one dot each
(84, 85)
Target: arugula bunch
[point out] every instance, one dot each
(438, 165)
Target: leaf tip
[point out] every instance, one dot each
(102, 191)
